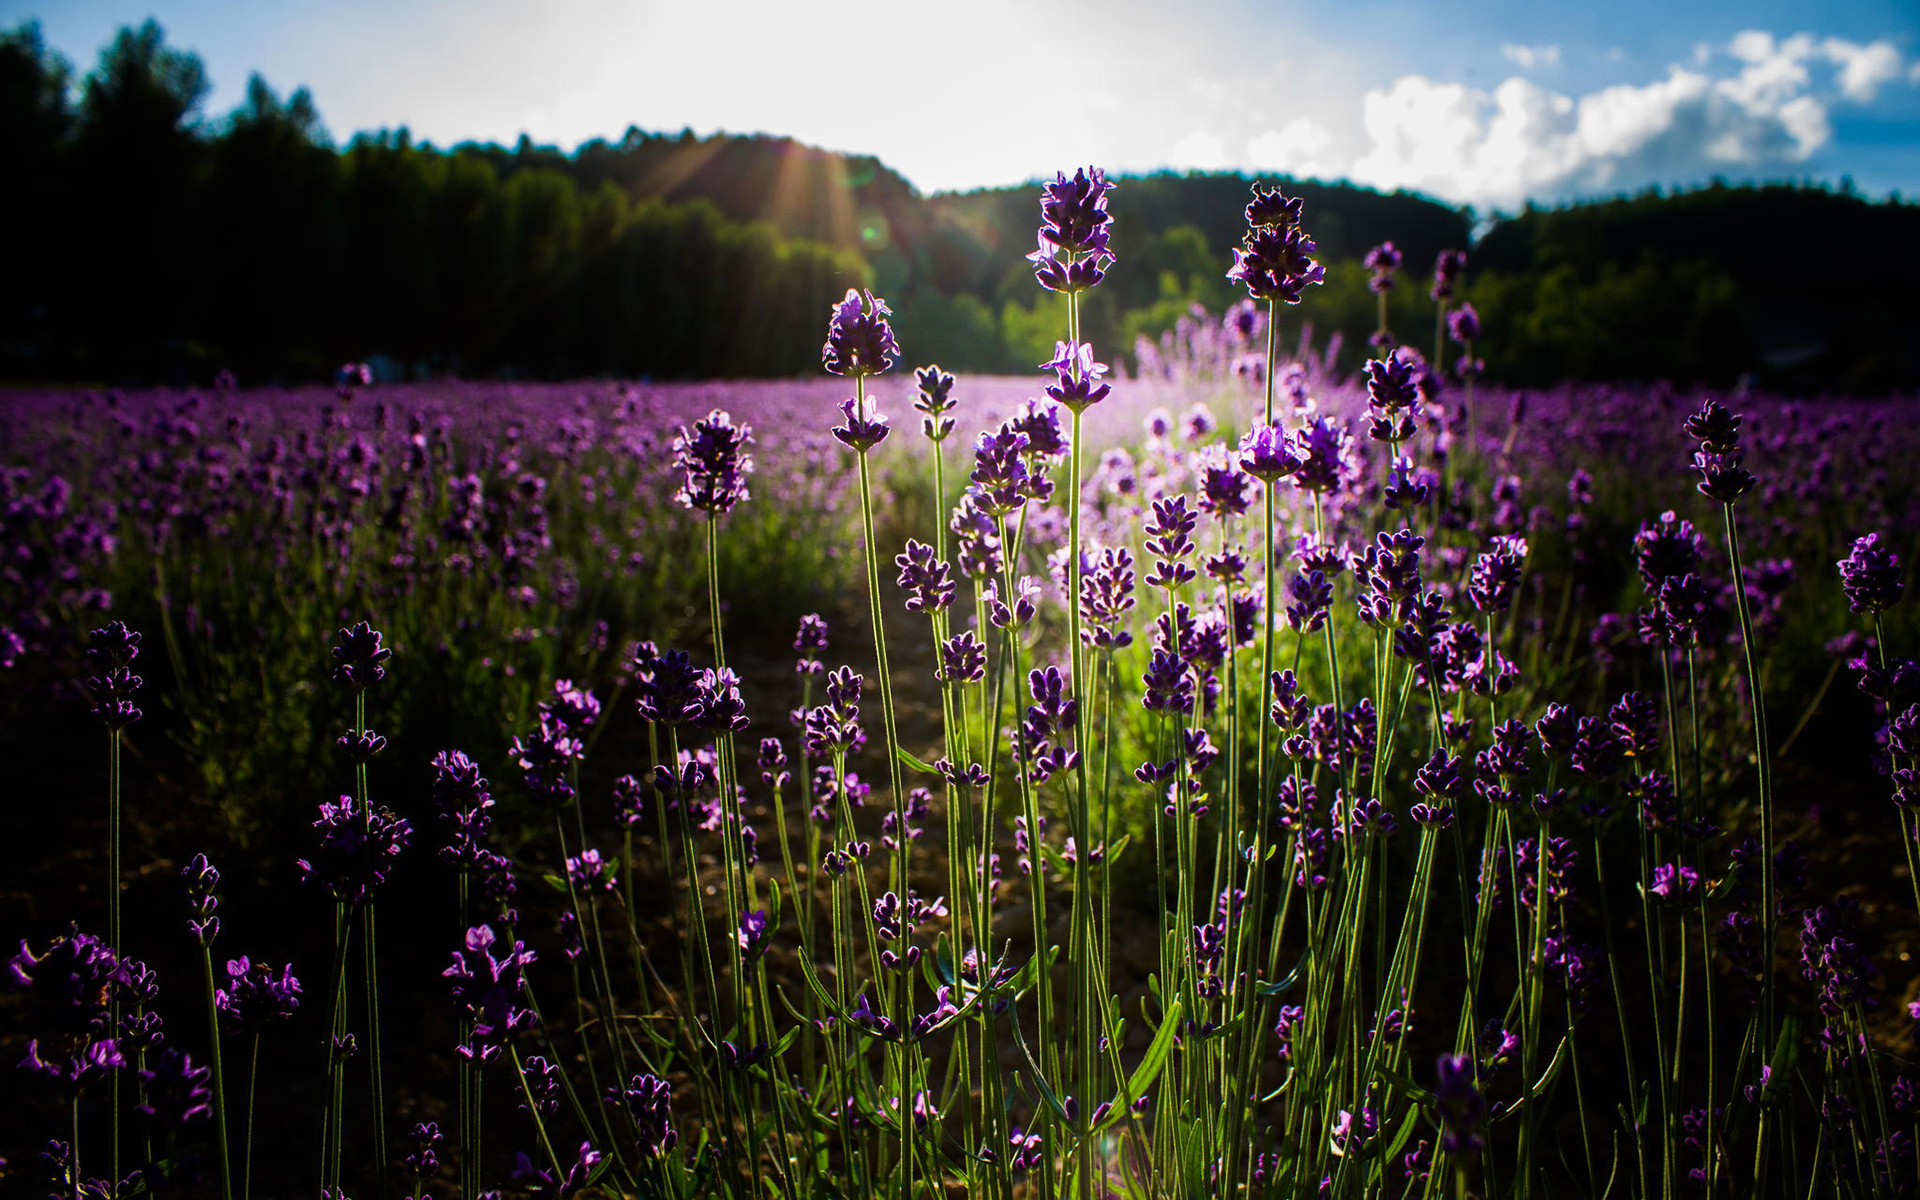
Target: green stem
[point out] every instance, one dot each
(1763, 767)
(219, 1086)
(246, 1153)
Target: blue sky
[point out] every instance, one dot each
(1490, 104)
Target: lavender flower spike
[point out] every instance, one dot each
(1870, 575)
(935, 399)
(865, 427)
(714, 464)
(1078, 387)
(1274, 260)
(1072, 253)
(859, 337)
(360, 656)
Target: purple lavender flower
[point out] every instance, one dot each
(1168, 540)
(1310, 601)
(1074, 223)
(1353, 1131)
(1266, 455)
(1870, 576)
(1448, 266)
(589, 872)
(810, 640)
(423, 1163)
(713, 462)
(1665, 548)
(1463, 325)
(1168, 685)
(1026, 600)
(1274, 260)
(359, 656)
(113, 650)
(461, 799)
(1722, 477)
(1832, 957)
(963, 659)
(68, 985)
(1635, 719)
(571, 707)
(1001, 481)
(256, 996)
(174, 1093)
(859, 337)
(1320, 447)
(1439, 779)
(357, 850)
(361, 746)
(1371, 817)
(1106, 595)
(546, 1185)
(976, 546)
(1496, 574)
(864, 427)
(546, 758)
(927, 580)
(1076, 385)
(69, 989)
(1046, 442)
(935, 400)
(488, 987)
(543, 1086)
(648, 1099)
(1675, 883)
(1596, 752)
(1409, 488)
(752, 935)
(1223, 486)
(717, 704)
(772, 761)
(202, 902)
(1383, 260)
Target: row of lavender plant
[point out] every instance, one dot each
(1374, 646)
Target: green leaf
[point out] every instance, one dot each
(922, 767)
(1281, 985)
(786, 1039)
(1406, 1131)
(813, 981)
(1149, 1069)
(1404, 1084)
(1039, 1080)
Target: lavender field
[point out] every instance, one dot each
(1220, 773)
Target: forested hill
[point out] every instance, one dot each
(165, 243)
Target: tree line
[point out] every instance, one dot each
(157, 243)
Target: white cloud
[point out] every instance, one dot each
(1757, 103)
(1298, 148)
(1864, 70)
(1201, 151)
(1529, 57)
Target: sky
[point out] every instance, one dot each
(1490, 104)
